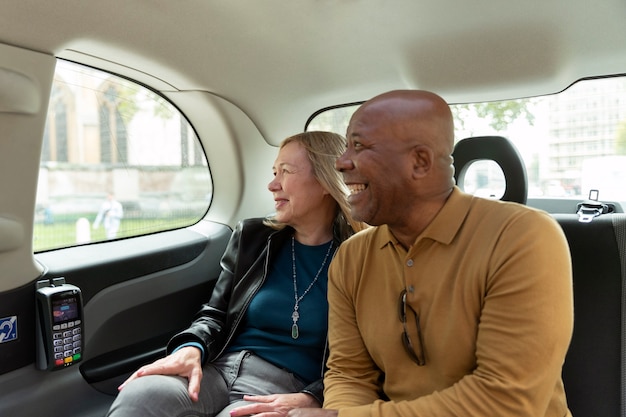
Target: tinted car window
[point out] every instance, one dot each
(572, 142)
(117, 161)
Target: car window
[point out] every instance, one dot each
(571, 142)
(117, 161)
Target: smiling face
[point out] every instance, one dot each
(397, 164)
(300, 200)
(377, 170)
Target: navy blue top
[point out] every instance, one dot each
(267, 327)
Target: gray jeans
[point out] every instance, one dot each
(224, 382)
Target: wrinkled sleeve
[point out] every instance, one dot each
(353, 377)
(208, 325)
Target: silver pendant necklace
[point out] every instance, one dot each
(295, 331)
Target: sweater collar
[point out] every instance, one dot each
(443, 227)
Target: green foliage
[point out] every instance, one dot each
(127, 96)
(125, 99)
(499, 114)
(162, 109)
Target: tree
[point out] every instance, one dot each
(499, 114)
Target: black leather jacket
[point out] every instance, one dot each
(244, 269)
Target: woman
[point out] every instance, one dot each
(259, 345)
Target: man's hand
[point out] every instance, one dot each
(185, 362)
(275, 405)
(312, 412)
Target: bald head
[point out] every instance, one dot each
(416, 116)
(413, 118)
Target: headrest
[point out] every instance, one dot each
(499, 150)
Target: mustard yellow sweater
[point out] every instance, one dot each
(491, 283)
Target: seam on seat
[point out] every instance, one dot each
(595, 387)
(619, 225)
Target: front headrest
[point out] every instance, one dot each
(501, 151)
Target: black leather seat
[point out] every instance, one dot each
(594, 368)
(499, 150)
(594, 372)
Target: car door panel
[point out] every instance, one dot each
(137, 293)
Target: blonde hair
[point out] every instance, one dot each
(323, 149)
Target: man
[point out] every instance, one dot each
(453, 305)
(110, 215)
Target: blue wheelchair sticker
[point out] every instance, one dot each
(8, 329)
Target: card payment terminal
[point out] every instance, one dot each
(60, 328)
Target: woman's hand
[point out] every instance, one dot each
(275, 405)
(185, 362)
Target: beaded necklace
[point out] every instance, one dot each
(295, 331)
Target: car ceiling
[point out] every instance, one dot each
(279, 61)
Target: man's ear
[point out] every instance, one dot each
(423, 158)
